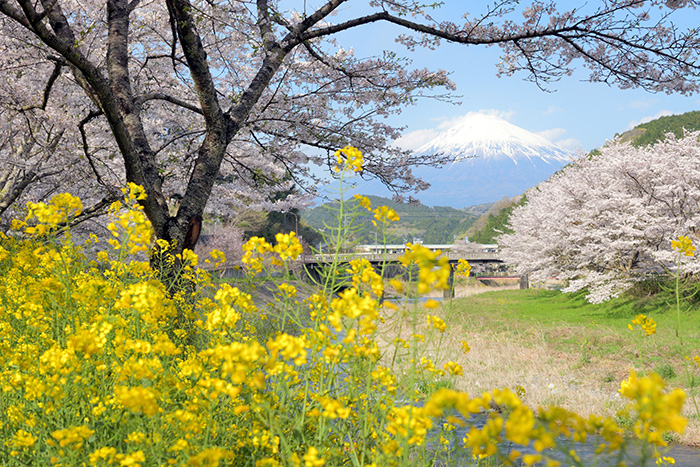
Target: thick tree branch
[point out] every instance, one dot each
(265, 26)
(316, 17)
(197, 61)
(9, 10)
(132, 5)
(120, 87)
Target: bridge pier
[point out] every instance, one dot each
(449, 292)
(524, 282)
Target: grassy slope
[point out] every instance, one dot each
(565, 351)
(518, 310)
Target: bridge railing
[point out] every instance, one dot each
(394, 257)
(488, 256)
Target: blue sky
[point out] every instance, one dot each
(576, 115)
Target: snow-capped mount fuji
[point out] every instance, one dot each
(492, 159)
(486, 136)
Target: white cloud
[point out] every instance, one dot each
(556, 136)
(450, 122)
(552, 134)
(553, 109)
(660, 113)
(415, 139)
(570, 144)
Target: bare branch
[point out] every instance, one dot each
(86, 148)
(132, 5)
(47, 90)
(168, 98)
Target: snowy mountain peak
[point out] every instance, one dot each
(478, 135)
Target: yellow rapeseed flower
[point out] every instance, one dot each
(23, 439)
(364, 202)
(363, 273)
(59, 210)
(436, 322)
(311, 458)
(453, 368)
(657, 411)
(385, 214)
(255, 250)
(288, 246)
(647, 324)
(434, 269)
(138, 399)
(683, 245)
(463, 268)
(76, 436)
(348, 157)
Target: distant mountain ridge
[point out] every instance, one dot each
(491, 159)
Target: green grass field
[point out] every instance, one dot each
(605, 326)
(563, 350)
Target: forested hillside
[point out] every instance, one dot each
(494, 223)
(651, 132)
(429, 224)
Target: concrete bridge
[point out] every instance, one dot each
(475, 257)
(314, 263)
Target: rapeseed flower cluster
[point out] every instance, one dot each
(97, 369)
(434, 269)
(385, 214)
(647, 324)
(348, 158)
(683, 245)
(657, 411)
(258, 254)
(364, 202)
(463, 268)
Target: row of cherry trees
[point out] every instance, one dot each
(220, 104)
(608, 220)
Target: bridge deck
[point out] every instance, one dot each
(394, 257)
(376, 258)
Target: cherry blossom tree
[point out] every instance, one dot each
(37, 146)
(215, 103)
(608, 220)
